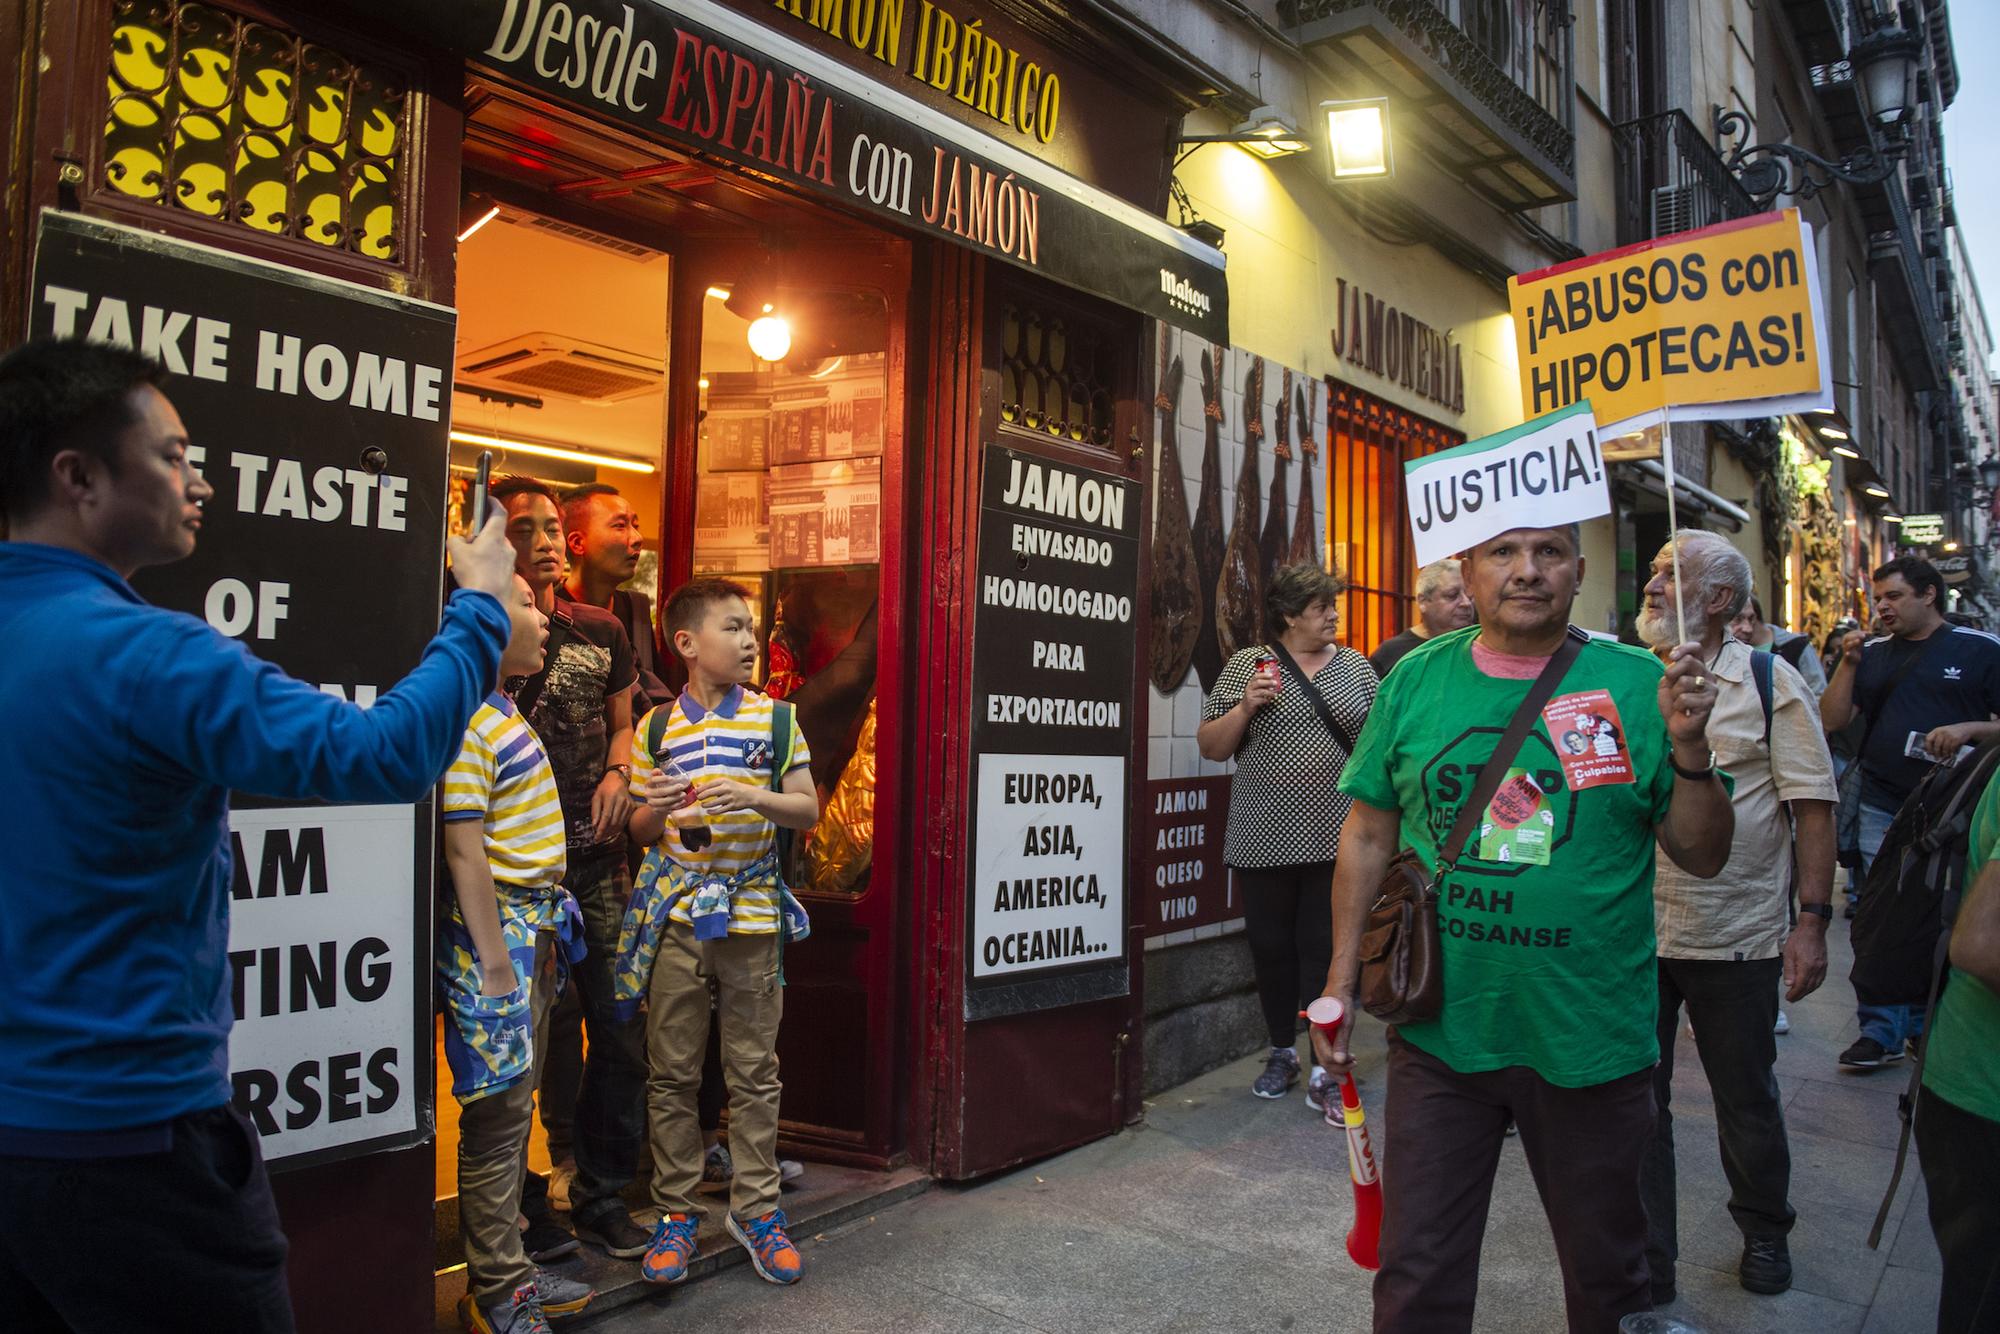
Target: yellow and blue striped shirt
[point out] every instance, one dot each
(731, 741)
(502, 776)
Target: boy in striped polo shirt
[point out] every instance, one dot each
(707, 905)
(496, 967)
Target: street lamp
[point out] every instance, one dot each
(1885, 63)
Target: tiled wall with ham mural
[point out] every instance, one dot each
(1239, 490)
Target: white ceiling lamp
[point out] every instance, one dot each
(770, 336)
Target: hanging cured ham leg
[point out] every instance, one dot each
(1239, 590)
(1176, 590)
(1305, 527)
(1208, 535)
(1276, 541)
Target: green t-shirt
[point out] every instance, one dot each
(1547, 965)
(1962, 1065)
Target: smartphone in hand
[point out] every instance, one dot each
(482, 499)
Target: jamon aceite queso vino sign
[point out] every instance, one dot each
(1054, 634)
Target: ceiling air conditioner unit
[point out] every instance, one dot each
(1673, 208)
(549, 365)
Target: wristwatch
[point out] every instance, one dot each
(1693, 775)
(1820, 910)
(624, 769)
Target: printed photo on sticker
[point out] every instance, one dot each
(1590, 739)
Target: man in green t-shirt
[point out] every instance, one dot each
(1958, 1109)
(1546, 927)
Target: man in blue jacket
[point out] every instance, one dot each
(132, 1195)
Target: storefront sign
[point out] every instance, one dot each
(948, 51)
(704, 78)
(1954, 569)
(1054, 638)
(1722, 322)
(329, 567)
(1370, 333)
(1920, 530)
(1184, 874)
(1542, 474)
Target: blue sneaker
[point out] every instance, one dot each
(673, 1248)
(560, 1296)
(771, 1250)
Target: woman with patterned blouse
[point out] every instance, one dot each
(1284, 810)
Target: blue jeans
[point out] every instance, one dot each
(1890, 1025)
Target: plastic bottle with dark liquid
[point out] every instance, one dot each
(688, 820)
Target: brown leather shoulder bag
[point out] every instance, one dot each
(1402, 964)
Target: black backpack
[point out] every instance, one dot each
(1918, 874)
(1908, 902)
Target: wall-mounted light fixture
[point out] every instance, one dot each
(1885, 64)
(1267, 132)
(1357, 138)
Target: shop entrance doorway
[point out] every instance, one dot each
(733, 360)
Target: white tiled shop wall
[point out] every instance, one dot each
(1170, 748)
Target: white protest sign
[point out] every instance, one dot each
(1540, 474)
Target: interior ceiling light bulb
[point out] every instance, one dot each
(770, 337)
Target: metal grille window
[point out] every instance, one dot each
(1057, 372)
(223, 117)
(1370, 441)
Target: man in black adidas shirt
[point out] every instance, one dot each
(1926, 689)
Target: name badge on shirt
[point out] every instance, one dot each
(1519, 824)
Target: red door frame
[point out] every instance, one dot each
(1000, 1091)
(873, 917)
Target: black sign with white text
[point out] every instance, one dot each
(706, 79)
(1054, 636)
(318, 412)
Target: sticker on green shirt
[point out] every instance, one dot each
(1519, 824)
(1590, 739)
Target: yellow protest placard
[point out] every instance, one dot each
(1721, 322)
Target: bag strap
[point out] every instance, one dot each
(656, 730)
(1761, 668)
(781, 742)
(1317, 700)
(1902, 674)
(560, 628)
(781, 750)
(1511, 741)
(1906, 1101)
